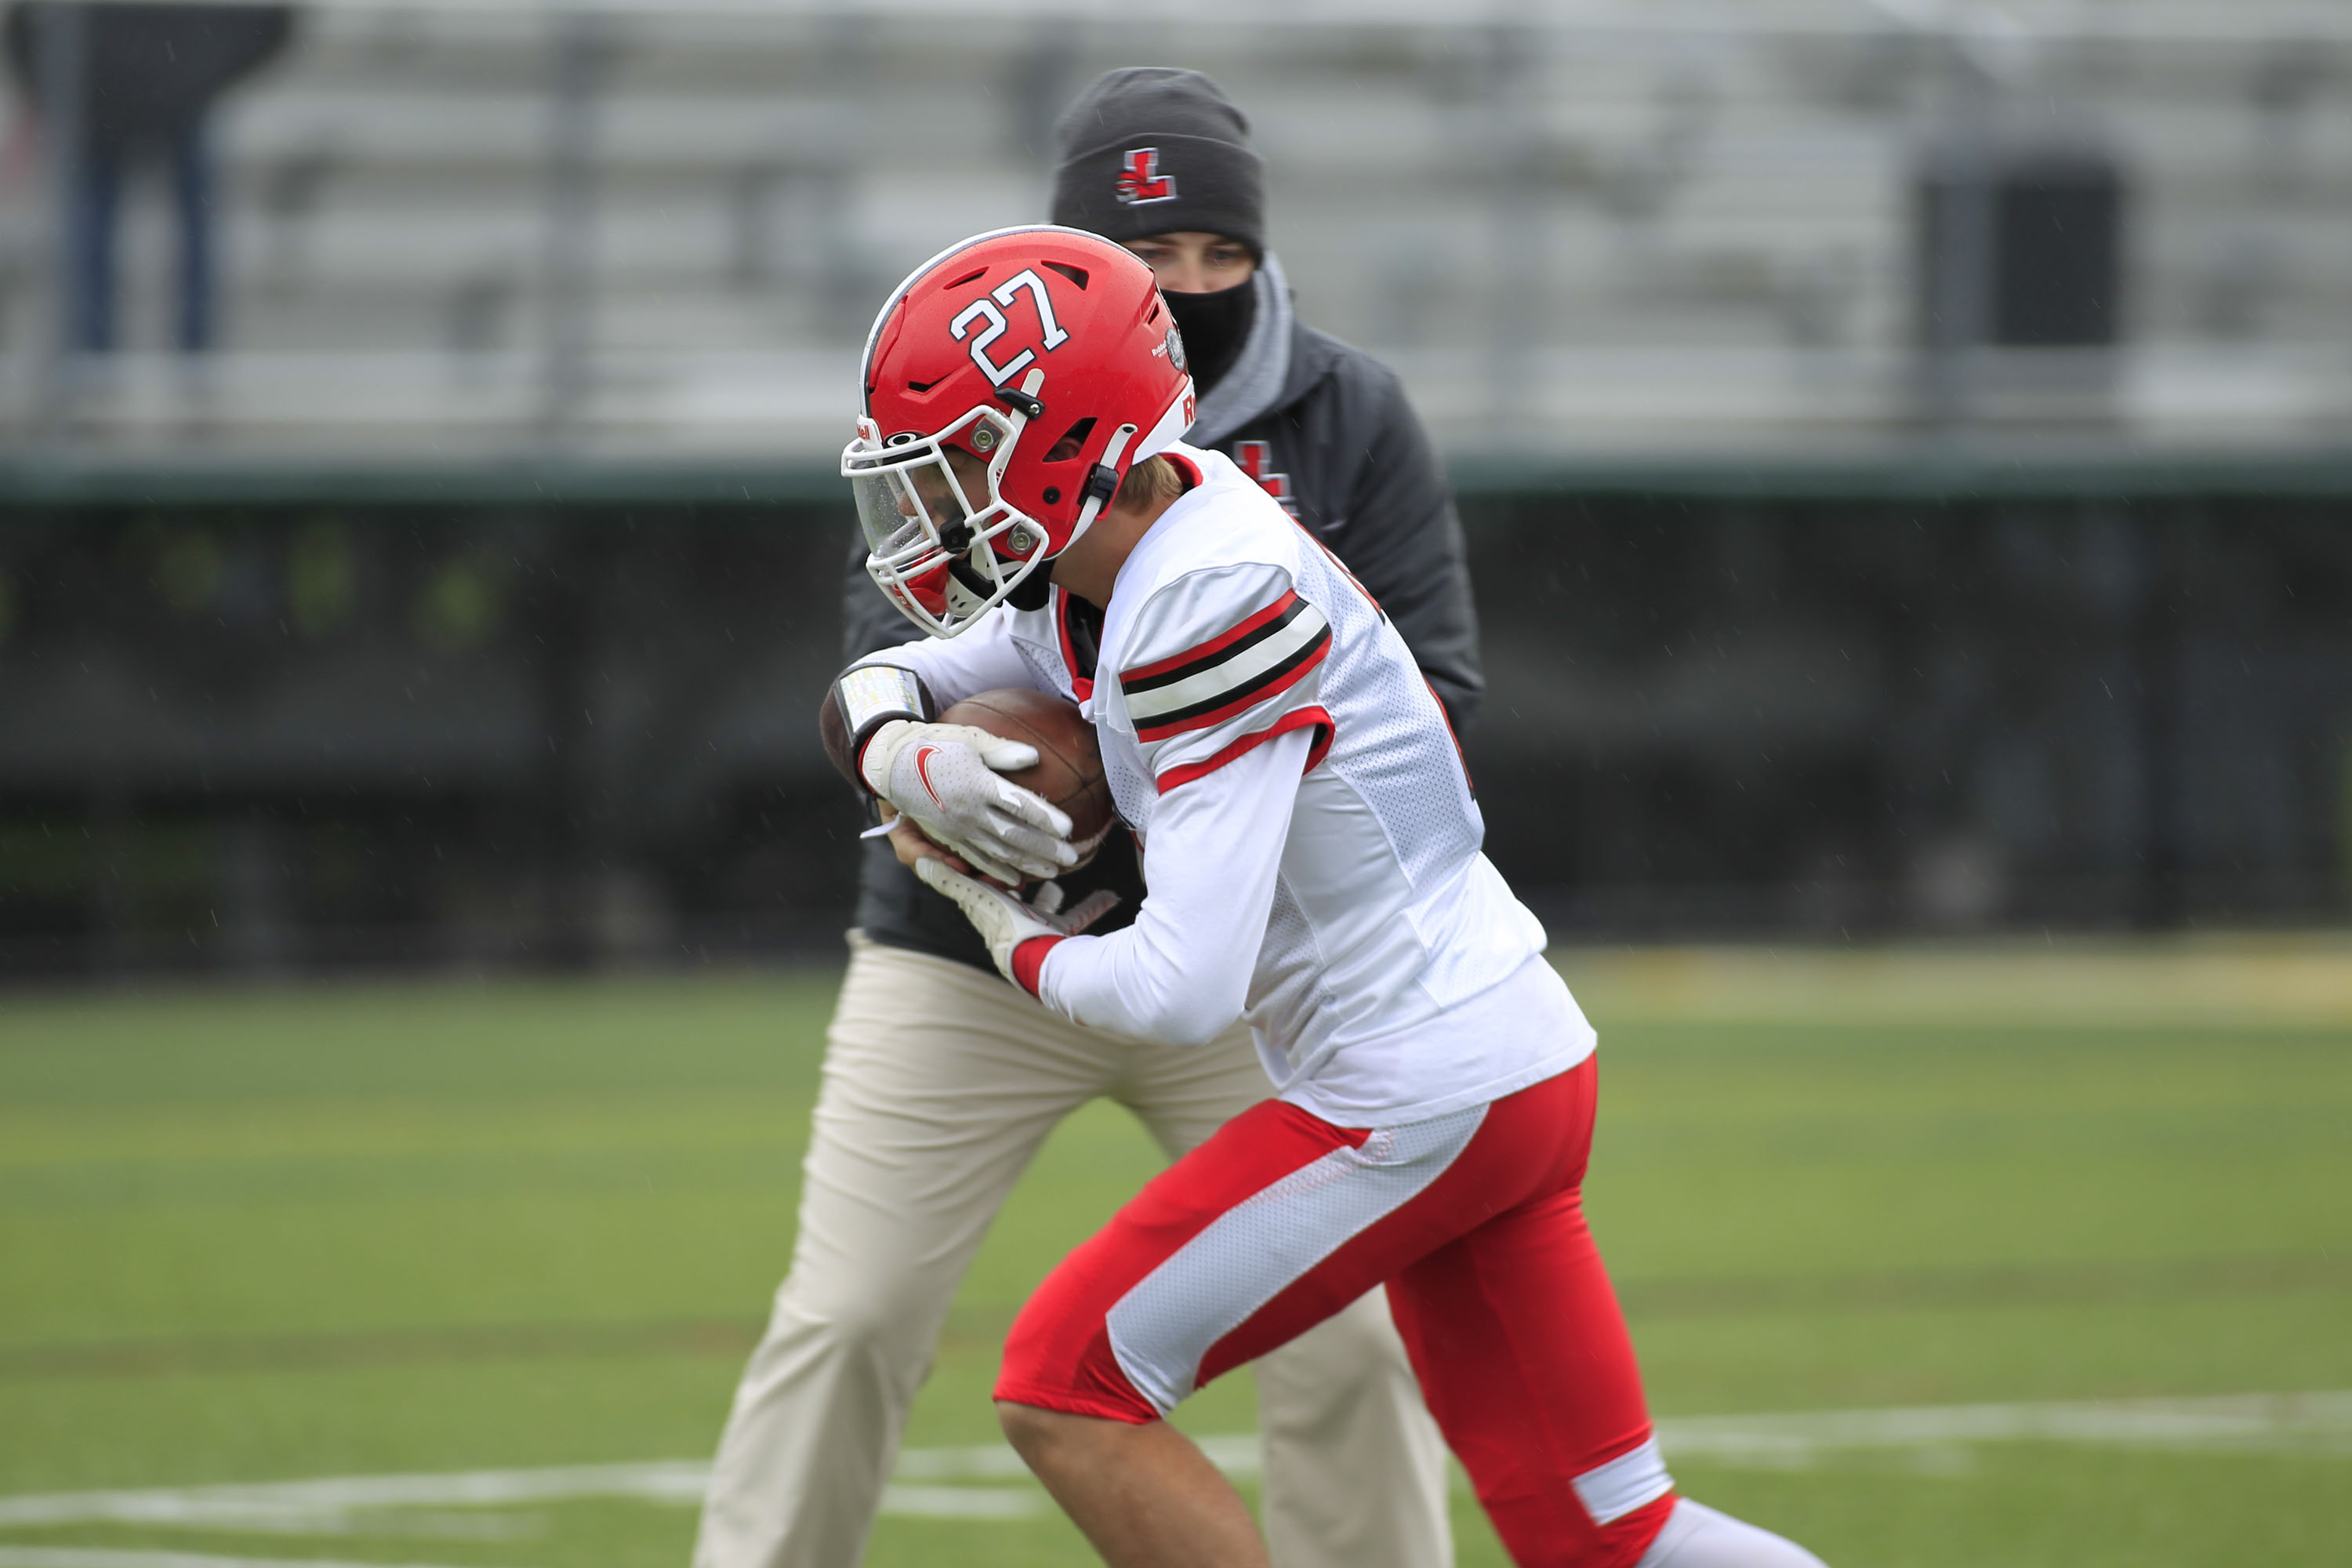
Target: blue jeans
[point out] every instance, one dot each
(97, 199)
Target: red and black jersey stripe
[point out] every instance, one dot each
(1228, 674)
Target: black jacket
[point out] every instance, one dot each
(1344, 451)
(150, 72)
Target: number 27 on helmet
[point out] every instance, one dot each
(1009, 384)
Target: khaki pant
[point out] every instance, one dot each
(940, 1084)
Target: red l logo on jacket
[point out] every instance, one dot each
(1256, 458)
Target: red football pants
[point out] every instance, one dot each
(1475, 1223)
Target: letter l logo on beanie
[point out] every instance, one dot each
(1141, 181)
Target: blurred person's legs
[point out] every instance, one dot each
(189, 174)
(1356, 1469)
(934, 1095)
(939, 1083)
(97, 199)
(189, 165)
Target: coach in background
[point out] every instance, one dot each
(941, 1082)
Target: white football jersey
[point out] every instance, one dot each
(1387, 971)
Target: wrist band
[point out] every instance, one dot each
(871, 695)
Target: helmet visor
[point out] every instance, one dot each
(929, 511)
(908, 504)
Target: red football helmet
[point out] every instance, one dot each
(1009, 386)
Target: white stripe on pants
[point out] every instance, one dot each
(941, 1082)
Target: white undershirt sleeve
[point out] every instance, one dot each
(1180, 974)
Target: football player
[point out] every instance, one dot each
(941, 1082)
(1311, 856)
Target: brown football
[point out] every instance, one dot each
(1069, 769)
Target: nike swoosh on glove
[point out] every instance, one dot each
(945, 778)
(1019, 934)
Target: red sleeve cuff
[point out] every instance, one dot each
(1029, 958)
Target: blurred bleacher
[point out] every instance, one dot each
(1583, 231)
(467, 602)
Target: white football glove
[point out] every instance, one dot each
(943, 777)
(1004, 922)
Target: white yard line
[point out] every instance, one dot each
(965, 1503)
(108, 1557)
(2250, 1423)
(276, 1504)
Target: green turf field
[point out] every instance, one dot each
(2029, 1219)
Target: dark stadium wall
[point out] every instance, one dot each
(1860, 717)
(290, 735)
(304, 735)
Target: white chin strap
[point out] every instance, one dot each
(1096, 501)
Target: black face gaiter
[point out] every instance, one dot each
(1215, 326)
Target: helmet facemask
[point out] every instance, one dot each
(932, 509)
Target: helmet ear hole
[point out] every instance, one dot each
(1073, 441)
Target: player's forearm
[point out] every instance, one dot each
(952, 668)
(1181, 973)
(1155, 980)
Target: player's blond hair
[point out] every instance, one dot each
(1151, 480)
